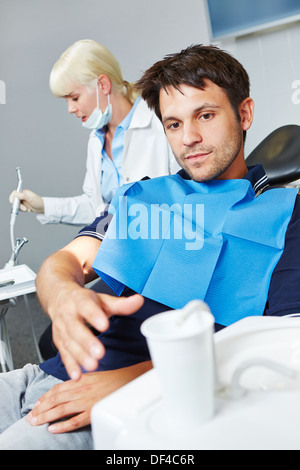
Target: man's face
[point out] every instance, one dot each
(203, 131)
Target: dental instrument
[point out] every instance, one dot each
(17, 244)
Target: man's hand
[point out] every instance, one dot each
(77, 345)
(75, 399)
(60, 289)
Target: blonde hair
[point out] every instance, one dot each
(82, 63)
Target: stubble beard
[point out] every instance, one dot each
(218, 161)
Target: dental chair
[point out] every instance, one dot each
(279, 153)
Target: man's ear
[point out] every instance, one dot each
(246, 110)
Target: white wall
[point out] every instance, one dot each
(36, 132)
(272, 60)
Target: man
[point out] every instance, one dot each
(248, 262)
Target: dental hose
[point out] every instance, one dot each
(14, 213)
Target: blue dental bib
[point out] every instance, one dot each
(174, 240)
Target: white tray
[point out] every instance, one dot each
(267, 416)
(24, 281)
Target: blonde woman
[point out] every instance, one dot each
(126, 143)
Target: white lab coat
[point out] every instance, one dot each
(146, 153)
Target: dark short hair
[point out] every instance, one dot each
(191, 67)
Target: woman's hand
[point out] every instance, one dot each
(29, 201)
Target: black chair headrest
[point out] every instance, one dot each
(279, 153)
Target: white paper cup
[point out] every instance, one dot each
(182, 352)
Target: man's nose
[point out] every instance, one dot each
(191, 134)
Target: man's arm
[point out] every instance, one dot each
(60, 289)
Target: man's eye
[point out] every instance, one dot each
(206, 116)
(174, 125)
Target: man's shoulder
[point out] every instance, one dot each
(296, 211)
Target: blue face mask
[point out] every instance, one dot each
(97, 119)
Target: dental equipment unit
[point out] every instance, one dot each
(15, 280)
